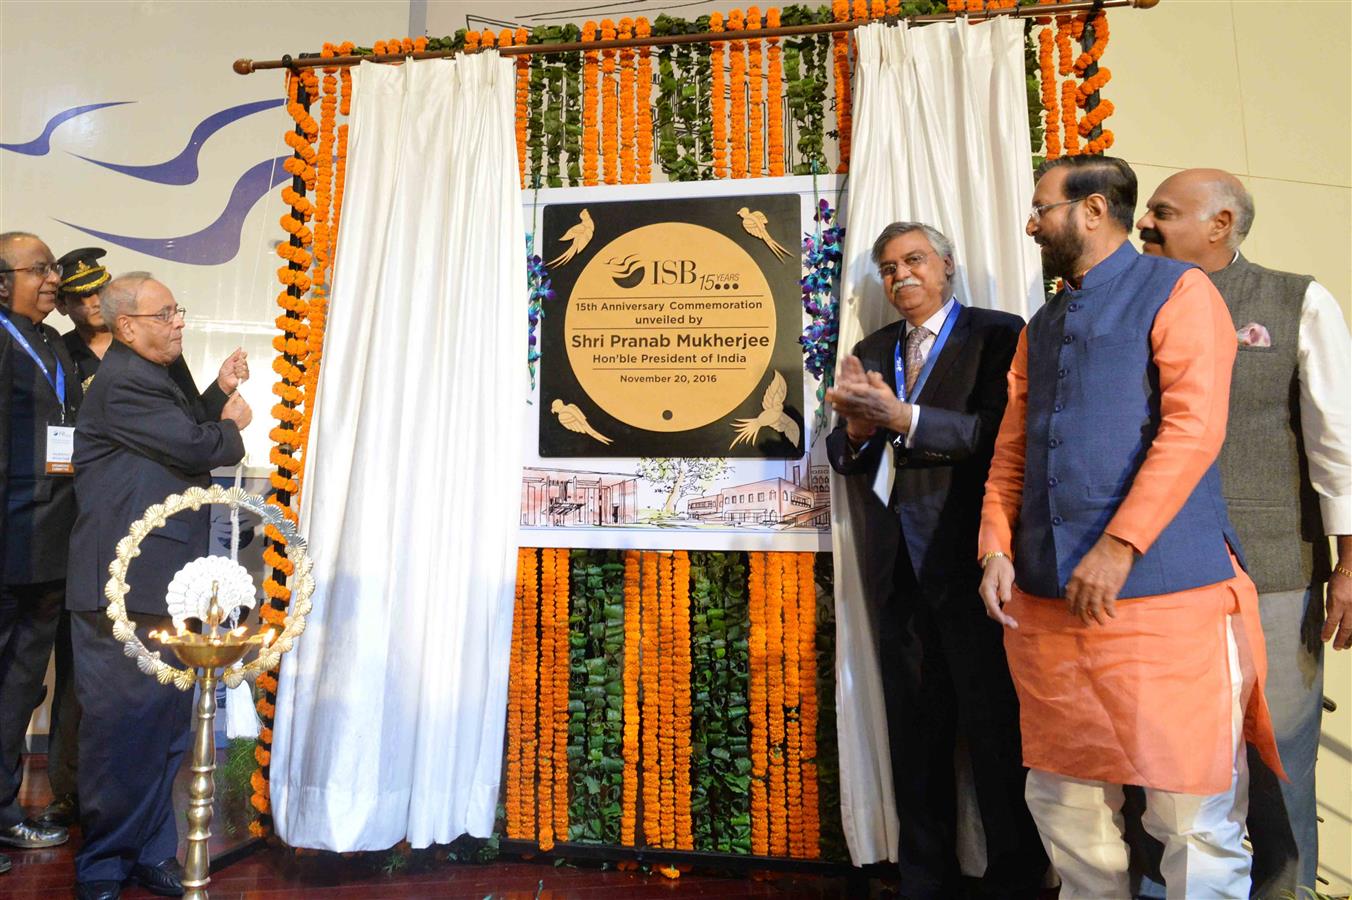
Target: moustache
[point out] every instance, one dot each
(904, 283)
(1151, 236)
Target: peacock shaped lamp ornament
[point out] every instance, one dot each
(212, 590)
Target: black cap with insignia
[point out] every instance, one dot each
(81, 272)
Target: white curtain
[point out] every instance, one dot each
(390, 716)
(940, 137)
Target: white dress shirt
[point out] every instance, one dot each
(1325, 375)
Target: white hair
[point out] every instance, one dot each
(118, 297)
(1232, 195)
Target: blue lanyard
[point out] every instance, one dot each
(939, 342)
(59, 383)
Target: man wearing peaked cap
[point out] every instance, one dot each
(80, 271)
(82, 279)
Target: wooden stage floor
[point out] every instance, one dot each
(276, 873)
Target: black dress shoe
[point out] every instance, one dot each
(97, 890)
(62, 812)
(29, 835)
(164, 879)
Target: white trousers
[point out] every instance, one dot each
(1204, 855)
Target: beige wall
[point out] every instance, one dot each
(1264, 90)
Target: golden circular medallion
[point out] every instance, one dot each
(669, 327)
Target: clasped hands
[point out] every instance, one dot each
(866, 402)
(1091, 594)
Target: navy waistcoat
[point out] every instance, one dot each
(1093, 412)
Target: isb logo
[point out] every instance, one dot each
(630, 272)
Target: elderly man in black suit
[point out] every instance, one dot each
(138, 441)
(82, 281)
(39, 395)
(919, 404)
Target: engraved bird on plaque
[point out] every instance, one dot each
(573, 419)
(772, 417)
(580, 235)
(756, 224)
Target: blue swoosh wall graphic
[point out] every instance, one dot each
(182, 169)
(41, 144)
(219, 241)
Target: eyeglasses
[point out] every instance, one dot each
(1036, 212)
(165, 316)
(43, 269)
(911, 262)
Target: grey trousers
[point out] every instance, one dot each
(1282, 823)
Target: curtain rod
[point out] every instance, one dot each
(247, 66)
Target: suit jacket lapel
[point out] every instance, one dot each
(951, 350)
(879, 354)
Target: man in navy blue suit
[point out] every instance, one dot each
(919, 403)
(139, 439)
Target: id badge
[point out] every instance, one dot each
(60, 449)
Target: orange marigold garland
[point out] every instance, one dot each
(718, 99)
(609, 108)
(643, 102)
(652, 709)
(633, 632)
(737, 86)
(807, 702)
(515, 702)
(685, 836)
(522, 119)
(530, 654)
(793, 753)
(756, 81)
(756, 702)
(561, 646)
(774, 666)
(1050, 102)
(840, 51)
(774, 98)
(1097, 108)
(666, 733)
(591, 136)
(317, 308)
(628, 115)
(1069, 126)
(340, 172)
(544, 754)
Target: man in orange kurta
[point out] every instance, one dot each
(1131, 628)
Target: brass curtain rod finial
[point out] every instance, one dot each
(1146, 4)
(243, 67)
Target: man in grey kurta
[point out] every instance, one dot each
(1286, 470)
